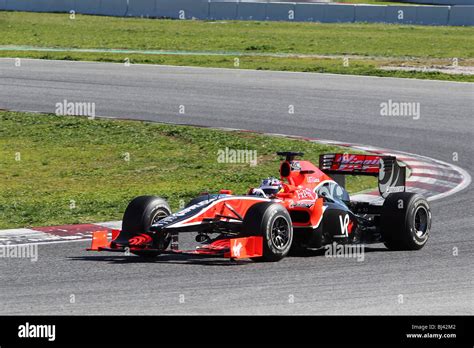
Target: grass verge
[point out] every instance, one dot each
(66, 170)
(313, 47)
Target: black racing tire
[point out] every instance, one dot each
(140, 214)
(405, 221)
(273, 222)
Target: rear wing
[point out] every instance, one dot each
(391, 175)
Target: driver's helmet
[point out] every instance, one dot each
(271, 186)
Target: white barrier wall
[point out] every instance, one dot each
(246, 10)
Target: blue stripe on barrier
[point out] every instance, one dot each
(183, 9)
(309, 12)
(400, 14)
(440, 2)
(430, 15)
(251, 11)
(280, 12)
(369, 14)
(461, 15)
(113, 7)
(19, 5)
(142, 8)
(339, 13)
(219, 10)
(230, 9)
(87, 6)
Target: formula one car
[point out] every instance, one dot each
(308, 207)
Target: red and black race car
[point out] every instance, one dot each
(307, 208)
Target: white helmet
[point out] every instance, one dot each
(270, 186)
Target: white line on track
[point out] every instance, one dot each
(243, 70)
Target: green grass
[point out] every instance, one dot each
(373, 45)
(64, 160)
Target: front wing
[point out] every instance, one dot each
(234, 248)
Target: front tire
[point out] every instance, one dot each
(405, 221)
(141, 213)
(273, 222)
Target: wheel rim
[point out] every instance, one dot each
(280, 233)
(161, 240)
(421, 221)
(159, 214)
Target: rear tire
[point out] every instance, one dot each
(273, 222)
(405, 221)
(141, 213)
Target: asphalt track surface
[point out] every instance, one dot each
(344, 108)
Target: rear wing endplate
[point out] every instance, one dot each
(391, 175)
